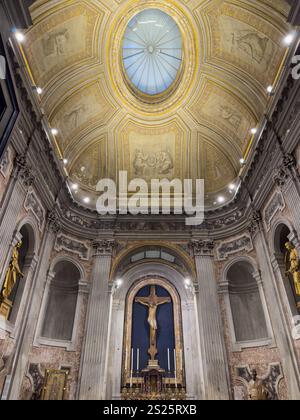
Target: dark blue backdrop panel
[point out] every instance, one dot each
(165, 332)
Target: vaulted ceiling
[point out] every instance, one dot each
(232, 51)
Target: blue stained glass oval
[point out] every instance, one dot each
(152, 51)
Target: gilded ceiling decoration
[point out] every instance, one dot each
(192, 121)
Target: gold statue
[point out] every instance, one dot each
(293, 265)
(12, 273)
(152, 302)
(257, 390)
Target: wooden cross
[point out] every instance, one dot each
(152, 302)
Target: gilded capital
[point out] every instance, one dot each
(103, 247)
(203, 247)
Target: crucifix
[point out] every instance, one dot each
(152, 302)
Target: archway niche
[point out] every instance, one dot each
(283, 235)
(246, 304)
(59, 315)
(26, 255)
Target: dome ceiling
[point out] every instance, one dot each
(200, 127)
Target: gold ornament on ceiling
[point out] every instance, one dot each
(231, 51)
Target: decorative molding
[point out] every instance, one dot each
(37, 380)
(203, 248)
(104, 247)
(53, 222)
(271, 379)
(23, 172)
(64, 242)
(5, 163)
(33, 203)
(242, 243)
(275, 204)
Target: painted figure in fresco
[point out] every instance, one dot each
(55, 43)
(257, 390)
(12, 273)
(293, 265)
(252, 44)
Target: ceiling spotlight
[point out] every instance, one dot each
(253, 130)
(231, 186)
(86, 200)
(39, 90)
(221, 199)
(270, 89)
(242, 161)
(19, 36)
(74, 187)
(54, 131)
(65, 161)
(289, 39)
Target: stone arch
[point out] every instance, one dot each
(191, 339)
(246, 307)
(61, 300)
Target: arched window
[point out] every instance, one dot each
(59, 315)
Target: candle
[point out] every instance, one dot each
(175, 368)
(181, 360)
(138, 360)
(175, 363)
(169, 366)
(131, 370)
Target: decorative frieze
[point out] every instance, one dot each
(64, 242)
(242, 243)
(275, 205)
(32, 203)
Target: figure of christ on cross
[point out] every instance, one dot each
(152, 302)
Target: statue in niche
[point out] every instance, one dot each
(55, 43)
(257, 390)
(12, 273)
(293, 265)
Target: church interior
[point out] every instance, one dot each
(145, 306)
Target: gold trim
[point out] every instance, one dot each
(178, 333)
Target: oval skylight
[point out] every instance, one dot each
(152, 51)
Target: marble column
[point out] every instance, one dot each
(31, 312)
(281, 326)
(92, 382)
(215, 364)
(22, 179)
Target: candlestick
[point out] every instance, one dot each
(169, 365)
(138, 359)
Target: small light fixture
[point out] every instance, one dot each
(221, 199)
(54, 131)
(19, 36)
(231, 187)
(253, 131)
(86, 200)
(289, 39)
(187, 281)
(119, 283)
(65, 161)
(74, 187)
(270, 89)
(39, 90)
(242, 161)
